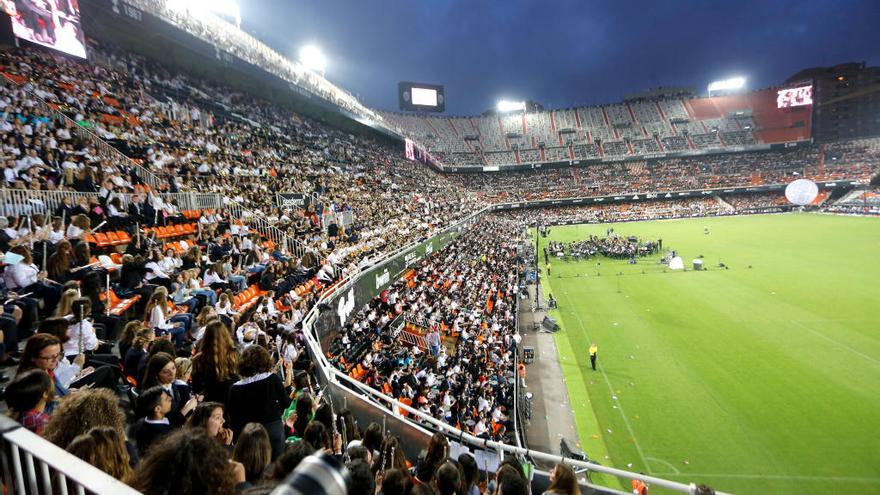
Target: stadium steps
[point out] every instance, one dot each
(724, 204)
(659, 143)
(823, 195)
(850, 197)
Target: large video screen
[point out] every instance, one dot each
(794, 97)
(51, 23)
(424, 96)
(421, 97)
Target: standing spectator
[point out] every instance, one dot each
(260, 396)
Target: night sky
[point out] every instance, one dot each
(567, 52)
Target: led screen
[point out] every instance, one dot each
(424, 96)
(51, 23)
(794, 97)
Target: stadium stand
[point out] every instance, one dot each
(155, 256)
(717, 123)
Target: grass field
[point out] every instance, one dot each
(753, 380)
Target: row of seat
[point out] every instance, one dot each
(170, 231)
(116, 305)
(108, 239)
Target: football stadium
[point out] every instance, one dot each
(537, 249)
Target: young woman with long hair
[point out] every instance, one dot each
(215, 363)
(187, 462)
(104, 448)
(562, 481)
(65, 305)
(60, 262)
(209, 415)
(253, 450)
(158, 313)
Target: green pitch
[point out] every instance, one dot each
(753, 380)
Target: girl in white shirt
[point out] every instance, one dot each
(26, 277)
(158, 313)
(212, 277)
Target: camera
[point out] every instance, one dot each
(319, 474)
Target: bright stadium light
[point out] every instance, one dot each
(505, 106)
(312, 57)
(731, 84)
(225, 8)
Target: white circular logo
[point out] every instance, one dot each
(801, 192)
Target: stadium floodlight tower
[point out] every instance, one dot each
(506, 106)
(313, 58)
(727, 86)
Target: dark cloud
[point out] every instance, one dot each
(563, 52)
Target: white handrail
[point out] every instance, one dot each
(30, 462)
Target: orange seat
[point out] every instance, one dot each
(113, 237)
(102, 240)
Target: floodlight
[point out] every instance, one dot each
(312, 57)
(727, 84)
(505, 106)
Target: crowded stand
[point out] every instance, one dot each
(164, 344)
(620, 212)
(462, 300)
(702, 172)
(634, 128)
(195, 145)
(183, 354)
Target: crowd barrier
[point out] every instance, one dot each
(28, 202)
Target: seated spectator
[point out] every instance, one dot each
(27, 397)
(253, 451)
(209, 415)
(80, 412)
(563, 481)
(187, 462)
(153, 405)
(104, 448)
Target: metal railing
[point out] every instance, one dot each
(415, 417)
(32, 465)
(26, 201)
(254, 219)
(104, 149)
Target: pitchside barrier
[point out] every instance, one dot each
(412, 426)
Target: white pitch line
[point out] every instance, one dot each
(855, 479)
(661, 461)
(833, 341)
(611, 390)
